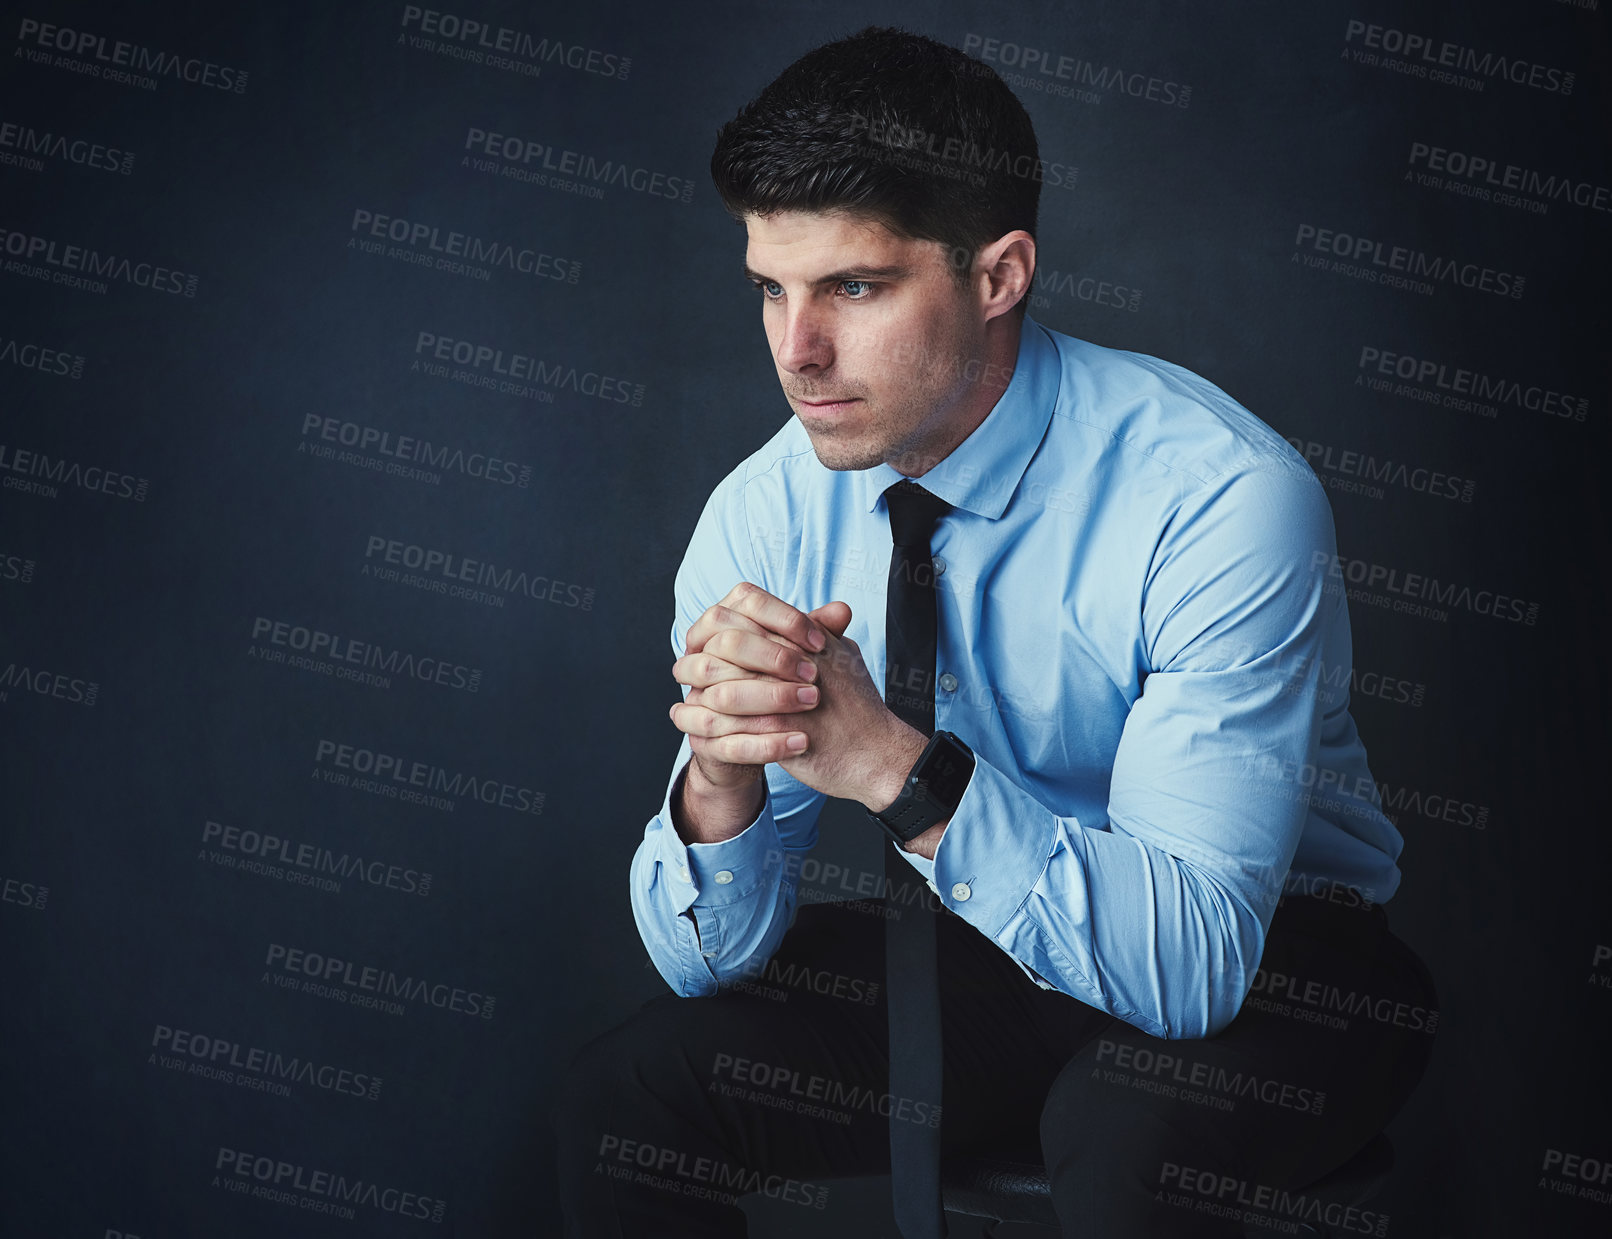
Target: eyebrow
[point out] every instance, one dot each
(897, 272)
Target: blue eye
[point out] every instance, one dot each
(853, 290)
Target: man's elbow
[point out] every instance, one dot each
(1223, 1007)
(683, 981)
(1233, 956)
(730, 974)
(1212, 1010)
(1215, 997)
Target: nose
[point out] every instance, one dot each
(804, 340)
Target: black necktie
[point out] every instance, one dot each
(912, 989)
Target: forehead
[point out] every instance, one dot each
(808, 243)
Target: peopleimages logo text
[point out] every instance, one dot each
(274, 850)
(1324, 458)
(527, 368)
(58, 471)
(1083, 73)
(451, 566)
(27, 142)
(339, 647)
(460, 245)
(516, 152)
(132, 56)
(283, 1178)
(469, 30)
(1493, 174)
(482, 466)
(1459, 381)
(953, 156)
(330, 970)
(29, 356)
(1408, 262)
(226, 1055)
(1415, 585)
(1423, 51)
(93, 264)
(389, 766)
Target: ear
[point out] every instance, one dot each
(1008, 264)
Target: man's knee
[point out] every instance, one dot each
(659, 1064)
(618, 1063)
(1126, 1122)
(591, 1074)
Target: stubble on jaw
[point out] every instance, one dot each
(885, 436)
(834, 452)
(886, 444)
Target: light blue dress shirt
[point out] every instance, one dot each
(1142, 628)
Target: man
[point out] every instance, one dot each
(1161, 804)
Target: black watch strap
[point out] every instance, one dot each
(907, 818)
(931, 791)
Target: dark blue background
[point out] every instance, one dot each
(1196, 207)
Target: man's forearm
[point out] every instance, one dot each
(702, 812)
(891, 776)
(703, 920)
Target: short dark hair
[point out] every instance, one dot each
(890, 124)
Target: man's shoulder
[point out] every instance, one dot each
(1159, 415)
(783, 467)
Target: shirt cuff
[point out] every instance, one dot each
(993, 851)
(924, 866)
(716, 874)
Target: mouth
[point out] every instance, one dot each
(829, 408)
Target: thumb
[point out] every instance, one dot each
(834, 616)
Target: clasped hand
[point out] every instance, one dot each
(771, 683)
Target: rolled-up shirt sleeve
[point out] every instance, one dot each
(710, 912)
(1158, 914)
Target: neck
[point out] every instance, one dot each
(982, 389)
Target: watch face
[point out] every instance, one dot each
(947, 771)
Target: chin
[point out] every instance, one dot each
(844, 456)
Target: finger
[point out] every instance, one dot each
(743, 749)
(717, 619)
(776, 615)
(834, 616)
(755, 652)
(706, 670)
(752, 696)
(714, 619)
(711, 724)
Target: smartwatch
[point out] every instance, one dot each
(932, 790)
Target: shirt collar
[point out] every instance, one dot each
(983, 471)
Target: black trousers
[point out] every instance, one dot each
(778, 1084)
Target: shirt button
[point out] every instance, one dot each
(940, 566)
(960, 892)
(932, 885)
(723, 876)
(948, 682)
(682, 872)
